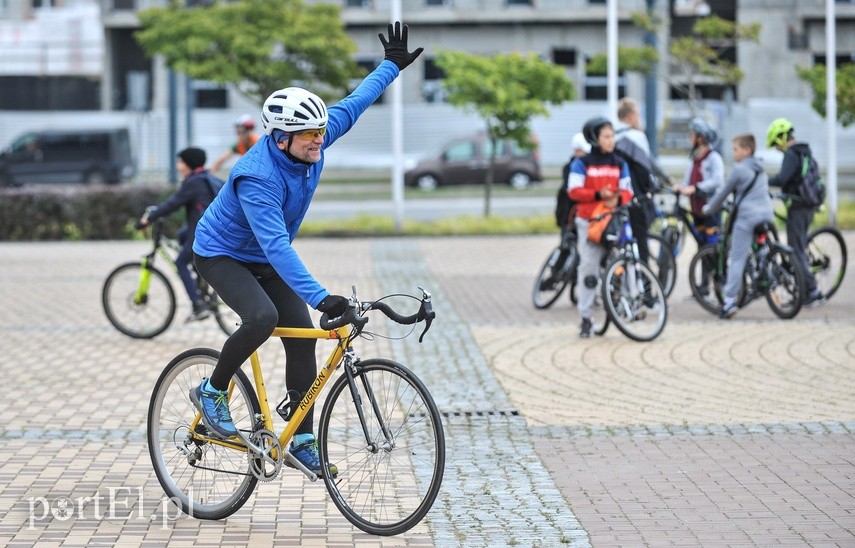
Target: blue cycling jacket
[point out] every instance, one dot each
(257, 214)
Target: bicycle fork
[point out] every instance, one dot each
(389, 444)
(145, 281)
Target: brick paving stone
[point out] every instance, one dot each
(717, 433)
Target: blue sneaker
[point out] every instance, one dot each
(307, 454)
(214, 406)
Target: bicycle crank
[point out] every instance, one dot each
(262, 445)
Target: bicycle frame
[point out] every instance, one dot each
(342, 334)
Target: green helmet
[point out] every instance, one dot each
(778, 131)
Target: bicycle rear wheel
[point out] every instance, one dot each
(390, 472)
(205, 479)
(785, 285)
(139, 308)
(661, 262)
(550, 281)
(827, 259)
(634, 300)
(706, 280)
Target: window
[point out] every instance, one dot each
(460, 151)
(437, 3)
(432, 91)
(564, 56)
(525, 3)
(360, 4)
(43, 3)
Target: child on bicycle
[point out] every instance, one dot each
(752, 206)
(703, 178)
(599, 177)
(799, 215)
(194, 195)
(243, 242)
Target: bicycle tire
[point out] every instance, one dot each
(632, 302)
(382, 490)
(827, 257)
(661, 261)
(144, 320)
(547, 286)
(599, 314)
(674, 237)
(225, 483)
(703, 273)
(785, 292)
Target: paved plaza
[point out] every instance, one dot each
(718, 433)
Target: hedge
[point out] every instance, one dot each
(74, 212)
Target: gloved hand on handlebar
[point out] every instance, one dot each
(333, 305)
(396, 46)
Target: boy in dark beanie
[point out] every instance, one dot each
(195, 194)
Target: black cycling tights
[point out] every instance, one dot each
(263, 301)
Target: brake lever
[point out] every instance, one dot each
(426, 312)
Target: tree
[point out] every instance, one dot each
(845, 93)
(693, 57)
(258, 45)
(507, 91)
(701, 54)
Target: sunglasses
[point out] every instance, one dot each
(310, 134)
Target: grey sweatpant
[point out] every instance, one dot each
(590, 256)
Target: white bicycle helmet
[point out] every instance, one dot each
(578, 142)
(292, 110)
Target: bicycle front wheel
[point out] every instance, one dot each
(706, 279)
(634, 300)
(384, 434)
(550, 281)
(205, 478)
(827, 259)
(138, 301)
(784, 283)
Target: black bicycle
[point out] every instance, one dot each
(826, 251)
(559, 269)
(139, 300)
(771, 271)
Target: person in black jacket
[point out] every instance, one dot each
(799, 215)
(195, 194)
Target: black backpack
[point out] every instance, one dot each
(812, 187)
(214, 183)
(563, 203)
(638, 163)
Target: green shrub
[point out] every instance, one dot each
(73, 212)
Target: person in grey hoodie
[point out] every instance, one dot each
(749, 184)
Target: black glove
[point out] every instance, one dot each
(333, 305)
(396, 46)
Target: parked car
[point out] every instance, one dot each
(68, 156)
(466, 160)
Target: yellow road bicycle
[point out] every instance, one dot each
(379, 430)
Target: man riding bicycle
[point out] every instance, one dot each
(243, 242)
